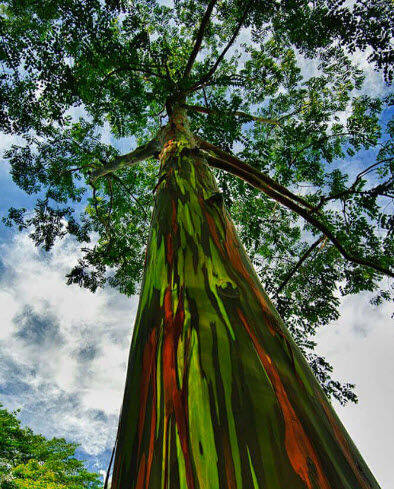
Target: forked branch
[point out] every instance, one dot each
(199, 38)
(140, 154)
(214, 67)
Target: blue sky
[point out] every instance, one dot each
(64, 350)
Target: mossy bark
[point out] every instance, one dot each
(217, 393)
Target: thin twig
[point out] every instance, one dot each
(378, 190)
(115, 177)
(145, 71)
(238, 113)
(292, 272)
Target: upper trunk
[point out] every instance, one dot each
(217, 393)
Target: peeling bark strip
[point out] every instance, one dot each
(217, 393)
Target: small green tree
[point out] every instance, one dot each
(30, 461)
(218, 393)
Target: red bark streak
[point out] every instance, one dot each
(175, 401)
(298, 446)
(212, 227)
(228, 463)
(147, 365)
(141, 473)
(343, 443)
(146, 256)
(232, 254)
(170, 235)
(170, 250)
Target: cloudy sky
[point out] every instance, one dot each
(63, 350)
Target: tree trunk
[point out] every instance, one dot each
(217, 393)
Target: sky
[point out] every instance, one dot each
(63, 349)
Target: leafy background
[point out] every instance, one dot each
(64, 349)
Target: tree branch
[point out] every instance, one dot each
(265, 180)
(199, 38)
(325, 138)
(251, 176)
(378, 190)
(145, 71)
(140, 154)
(238, 113)
(292, 272)
(208, 75)
(125, 187)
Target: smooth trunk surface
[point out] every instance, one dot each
(217, 393)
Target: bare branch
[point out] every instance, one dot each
(298, 265)
(208, 75)
(199, 38)
(238, 113)
(140, 154)
(251, 176)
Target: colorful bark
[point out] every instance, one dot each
(217, 393)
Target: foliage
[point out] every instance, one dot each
(122, 64)
(30, 461)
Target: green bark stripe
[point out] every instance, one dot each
(217, 393)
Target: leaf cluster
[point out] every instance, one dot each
(31, 461)
(73, 71)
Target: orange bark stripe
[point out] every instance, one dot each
(237, 262)
(213, 231)
(141, 473)
(229, 465)
(173, 217)
(298, 445)
(170, 250)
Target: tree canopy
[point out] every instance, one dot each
(284, 142)
(31, 461)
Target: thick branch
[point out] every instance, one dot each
(292, 272)
(263, 177)
(250, 176)
(208, 75)
(199, 38)
(139, 154)
(238, 113)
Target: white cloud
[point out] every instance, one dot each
(71, 384)
(64, 348)
(359, 345)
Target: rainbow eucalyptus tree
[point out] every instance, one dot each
(243, 175)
